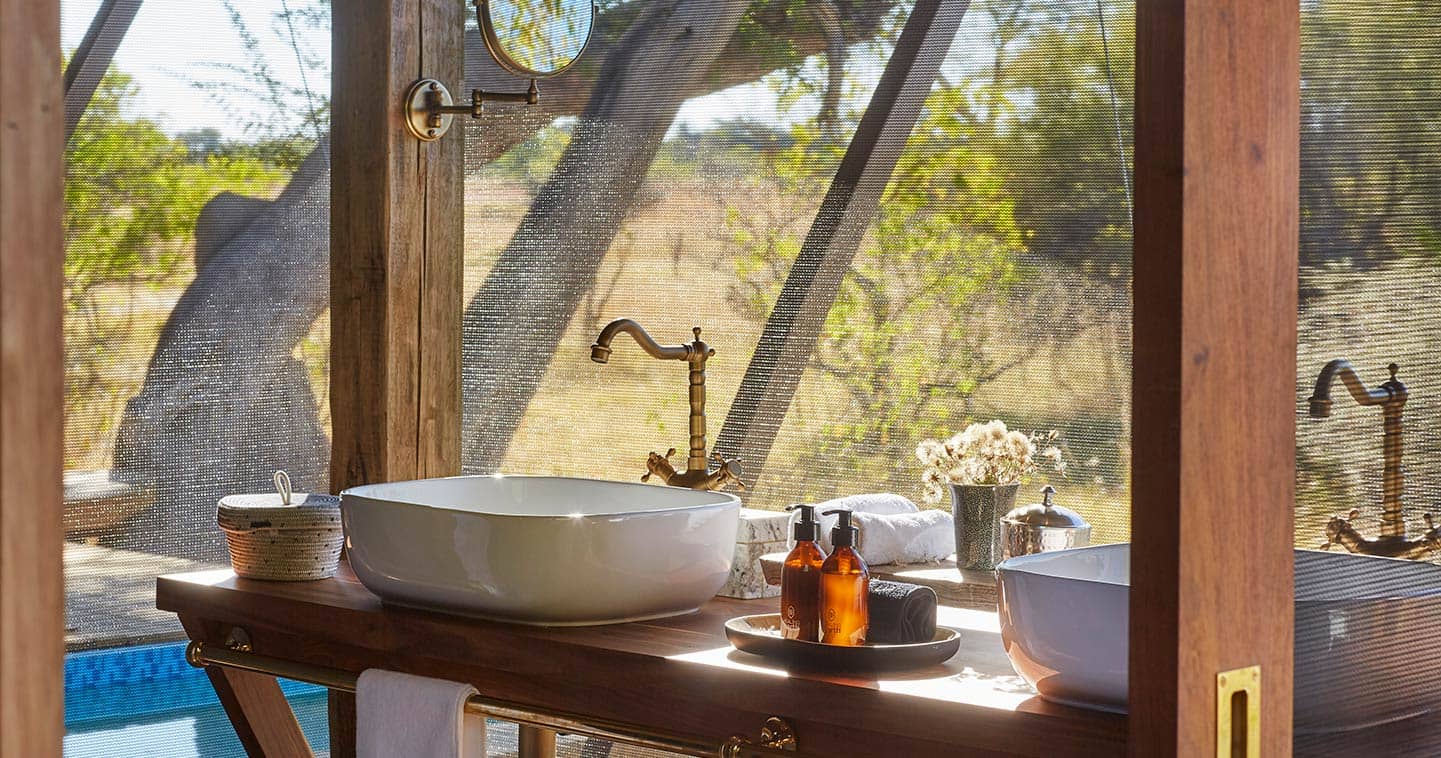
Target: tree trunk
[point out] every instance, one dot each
(224, 402)
(521, 310)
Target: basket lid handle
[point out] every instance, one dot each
(282, 485)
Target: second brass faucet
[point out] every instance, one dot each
(697, 475)
(1392, 542)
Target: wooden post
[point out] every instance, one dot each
(396, 210)
(1217, 182)
(32, 254)
(395, 247)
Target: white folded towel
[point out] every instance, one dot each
(892, 528)
(419, 717)
(918, 537)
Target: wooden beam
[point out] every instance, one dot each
(794, 325)
(1215, 256)
(340, 715)
(92, 59)
(32, 256)
(257, 709)
(396, 247)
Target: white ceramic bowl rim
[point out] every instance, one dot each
(1361, 582)
(391, 494)
(1046, 564)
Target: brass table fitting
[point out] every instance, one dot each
(698, 474)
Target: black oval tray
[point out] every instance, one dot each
(760, 634)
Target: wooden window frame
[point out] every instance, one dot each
(32, 254)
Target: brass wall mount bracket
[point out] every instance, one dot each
(430, 109)
(776, 734)
(238, 639)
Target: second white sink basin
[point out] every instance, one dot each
(1365, 633)
(541, 550)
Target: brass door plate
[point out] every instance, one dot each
(1238, 689)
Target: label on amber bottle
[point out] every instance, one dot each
(844, 617)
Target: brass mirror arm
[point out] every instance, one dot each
(429, 109)
(478, 99)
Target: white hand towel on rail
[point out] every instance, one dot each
(415, 716)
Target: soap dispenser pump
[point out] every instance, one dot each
(845, 587)
(801, 580)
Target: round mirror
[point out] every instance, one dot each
(536, 38)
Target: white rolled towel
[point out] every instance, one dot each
(892, 528)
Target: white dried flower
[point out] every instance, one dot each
(931, 453)
(985, 454)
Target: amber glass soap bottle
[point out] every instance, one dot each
(801, 581)
(845, 585)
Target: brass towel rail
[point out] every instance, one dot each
(777, 739)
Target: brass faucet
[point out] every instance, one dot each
(1391, 396)
(697, 475)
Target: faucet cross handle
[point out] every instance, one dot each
(655, 463)
(728, 471)
(1338, 526)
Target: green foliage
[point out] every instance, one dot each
(531, 162)
(1068, 90)
(1370, 132)
(132, 193)
(905, 340)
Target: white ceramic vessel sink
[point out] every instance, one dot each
(541, 550)
(1366, 633)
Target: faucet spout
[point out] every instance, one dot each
(698, 474)
(1341, 368)
(600, 351)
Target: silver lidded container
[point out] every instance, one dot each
(1042, 527)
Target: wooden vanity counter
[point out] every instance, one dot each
(678, 675)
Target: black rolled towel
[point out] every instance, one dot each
(900, 613)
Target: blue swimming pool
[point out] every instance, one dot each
(145, 700)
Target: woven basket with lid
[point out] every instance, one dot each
(271, 540)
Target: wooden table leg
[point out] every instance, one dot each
(260, 713)
(257, 709)
(536, 742)
(342, 724)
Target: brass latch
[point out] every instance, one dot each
(1238, 713)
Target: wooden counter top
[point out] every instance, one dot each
(677, 674)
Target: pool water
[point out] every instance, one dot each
(145, 700)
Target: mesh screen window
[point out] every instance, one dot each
(992, 282)
(197, 249)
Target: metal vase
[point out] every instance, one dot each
(977, 510)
